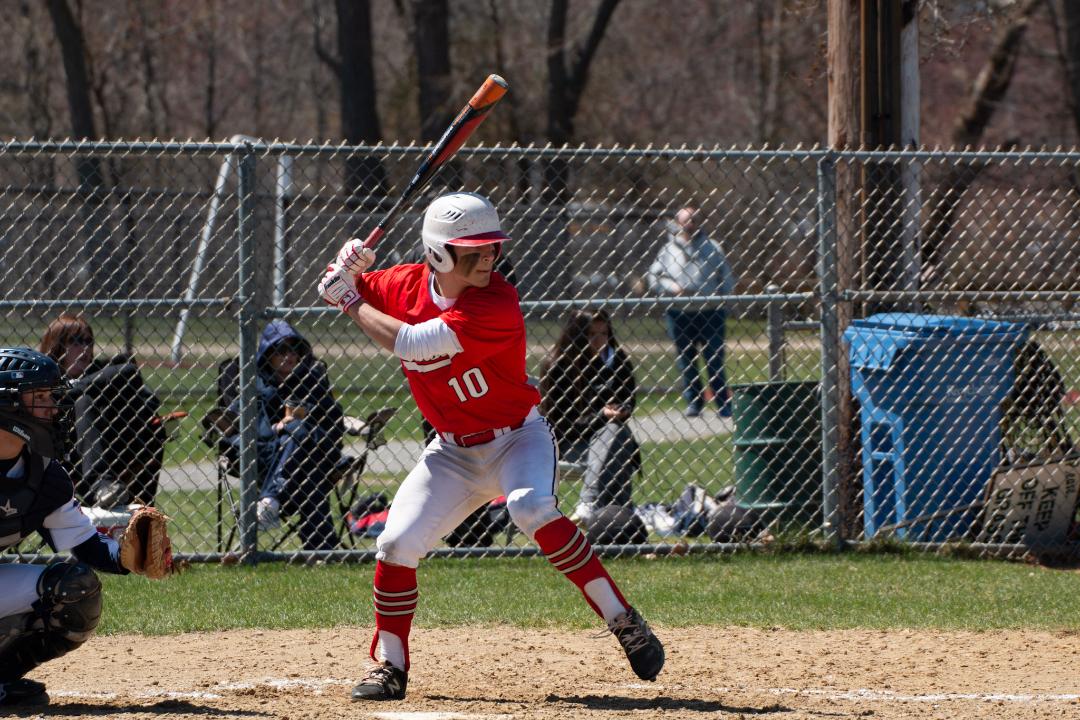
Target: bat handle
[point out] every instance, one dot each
(374, 237)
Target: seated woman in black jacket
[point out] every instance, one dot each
(119, 440)
(588, 390)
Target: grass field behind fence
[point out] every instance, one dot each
(795, 591)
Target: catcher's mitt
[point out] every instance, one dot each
(145, 548)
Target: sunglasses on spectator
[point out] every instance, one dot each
(80, 340)
(288, 347)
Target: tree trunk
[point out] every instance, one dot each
(522, 166)
(565, 88)
(73, 50)
(1072, 58)
(92, 190)
(364, 176)
(1072, 71)
(431, 38)
(431, 41)
(990, 87)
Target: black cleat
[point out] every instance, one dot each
(382, 682)
(643, 649)
(22, 692)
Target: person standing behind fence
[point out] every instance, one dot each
(589, 392)
(456, 326)
(692, 263)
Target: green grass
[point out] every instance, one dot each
(802, 592)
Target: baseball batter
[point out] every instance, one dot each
(457, 327)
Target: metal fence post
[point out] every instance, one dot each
(283, 192)
(774, 314)
(248, 317)
(828, 289)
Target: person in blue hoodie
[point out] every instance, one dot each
(300, 434)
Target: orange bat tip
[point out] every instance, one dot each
(489, 93)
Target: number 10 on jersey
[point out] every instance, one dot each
(471, 385)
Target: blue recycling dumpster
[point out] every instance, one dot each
(929, 389)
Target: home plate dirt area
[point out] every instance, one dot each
(502, 672)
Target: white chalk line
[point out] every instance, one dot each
(890, 696)
(318, 686)
(438, 716)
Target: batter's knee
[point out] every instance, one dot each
(399, 550)
(531, 510)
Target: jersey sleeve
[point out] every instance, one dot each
(390, 290)
(66, 527)
(488, 321)
(374, 287)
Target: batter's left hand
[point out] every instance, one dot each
(338, 288)
(354, 257)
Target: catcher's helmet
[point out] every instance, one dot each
(23, 369)
(462, 219)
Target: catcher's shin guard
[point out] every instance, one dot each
(64, 617)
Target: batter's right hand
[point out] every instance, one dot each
(338, 288)
(354, 257)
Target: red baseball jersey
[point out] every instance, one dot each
(484, 386)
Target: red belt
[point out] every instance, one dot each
(479, 438)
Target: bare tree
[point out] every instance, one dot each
(566, 84)
(431, 41)
(69, 34)
(38, 75)
(771, 58)
(354, 67)
(156, 104)
(92, 190)
(986, 95)
(1071, 58)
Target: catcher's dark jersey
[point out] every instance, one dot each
(37, 496)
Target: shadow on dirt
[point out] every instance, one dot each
(607, 702)
(163, 708)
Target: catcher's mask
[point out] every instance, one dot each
(459, 220)
(41, 420)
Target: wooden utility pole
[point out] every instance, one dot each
(843, 135)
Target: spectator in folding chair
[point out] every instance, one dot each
(119, 438)
(300, 433)
(589, 391)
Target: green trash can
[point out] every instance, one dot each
(777, 444)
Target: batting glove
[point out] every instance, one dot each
(338, 288)
(354, 257)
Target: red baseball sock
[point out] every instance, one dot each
(571, 553)
(395, 603)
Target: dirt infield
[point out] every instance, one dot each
(499, 672)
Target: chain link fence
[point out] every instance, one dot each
(879, 347)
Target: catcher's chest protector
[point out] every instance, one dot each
(27, 501)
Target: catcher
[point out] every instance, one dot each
(47, 611)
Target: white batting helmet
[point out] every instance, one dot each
(463, 219)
